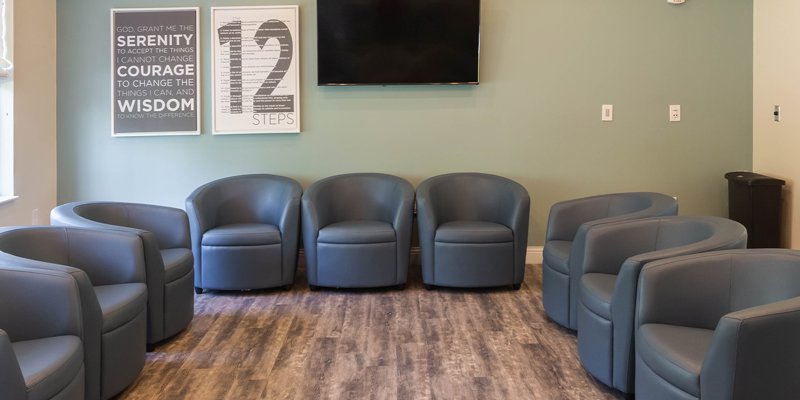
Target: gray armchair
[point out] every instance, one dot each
(473, 230)
(167, 251)
(614, 256)
(244, 232)
(108, 267)
(41, 335)
(565, 242)
(357, 230)
(721, 325)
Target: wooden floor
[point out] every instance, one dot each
(392, 344)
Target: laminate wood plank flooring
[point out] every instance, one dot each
(370, 344)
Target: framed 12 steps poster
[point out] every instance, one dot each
(256, 74)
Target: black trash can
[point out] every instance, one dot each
(754, 200)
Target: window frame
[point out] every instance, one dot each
(6, 102)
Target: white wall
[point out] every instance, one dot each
(34, 112)
(776, 81)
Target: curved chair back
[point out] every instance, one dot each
(241, 199)
(170, 226)
(615, 255)
(472, 197)
(108, 267)
(359, 196)
(164, 231)
(748, 304)
(565, 237)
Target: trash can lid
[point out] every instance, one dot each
(753, 179)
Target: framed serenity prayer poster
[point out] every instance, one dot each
(154, 72)
(256, 74)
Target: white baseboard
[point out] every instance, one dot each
(532, 256)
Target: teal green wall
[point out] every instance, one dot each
(546, 68)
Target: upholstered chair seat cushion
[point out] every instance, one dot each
(50, 364)
(473, 232)
(358, 231)
(675, 353)
(242, 235)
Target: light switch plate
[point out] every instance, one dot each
(608, 112)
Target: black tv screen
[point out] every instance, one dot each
(386, 42)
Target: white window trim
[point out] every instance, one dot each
(7, 104)
(6, 13)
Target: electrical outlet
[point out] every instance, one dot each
(35, 216)
(776, 114)
(675, 113)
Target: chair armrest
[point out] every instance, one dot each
(12, 384)
(754, 354)
(402, 211)
(427, 222)
(311, 223)
(517, 217)
(285, 208)
(402, 221)
(289, 225)
(201, 208)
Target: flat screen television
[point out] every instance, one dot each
(397, 42)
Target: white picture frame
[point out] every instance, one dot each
(255, 69)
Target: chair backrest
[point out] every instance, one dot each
(245, 198)
(697, 290)
(472, 196)
(570, 219)
(360, 196)
(759, 278)
(46, 245)
(79, 248)
(169, 226)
